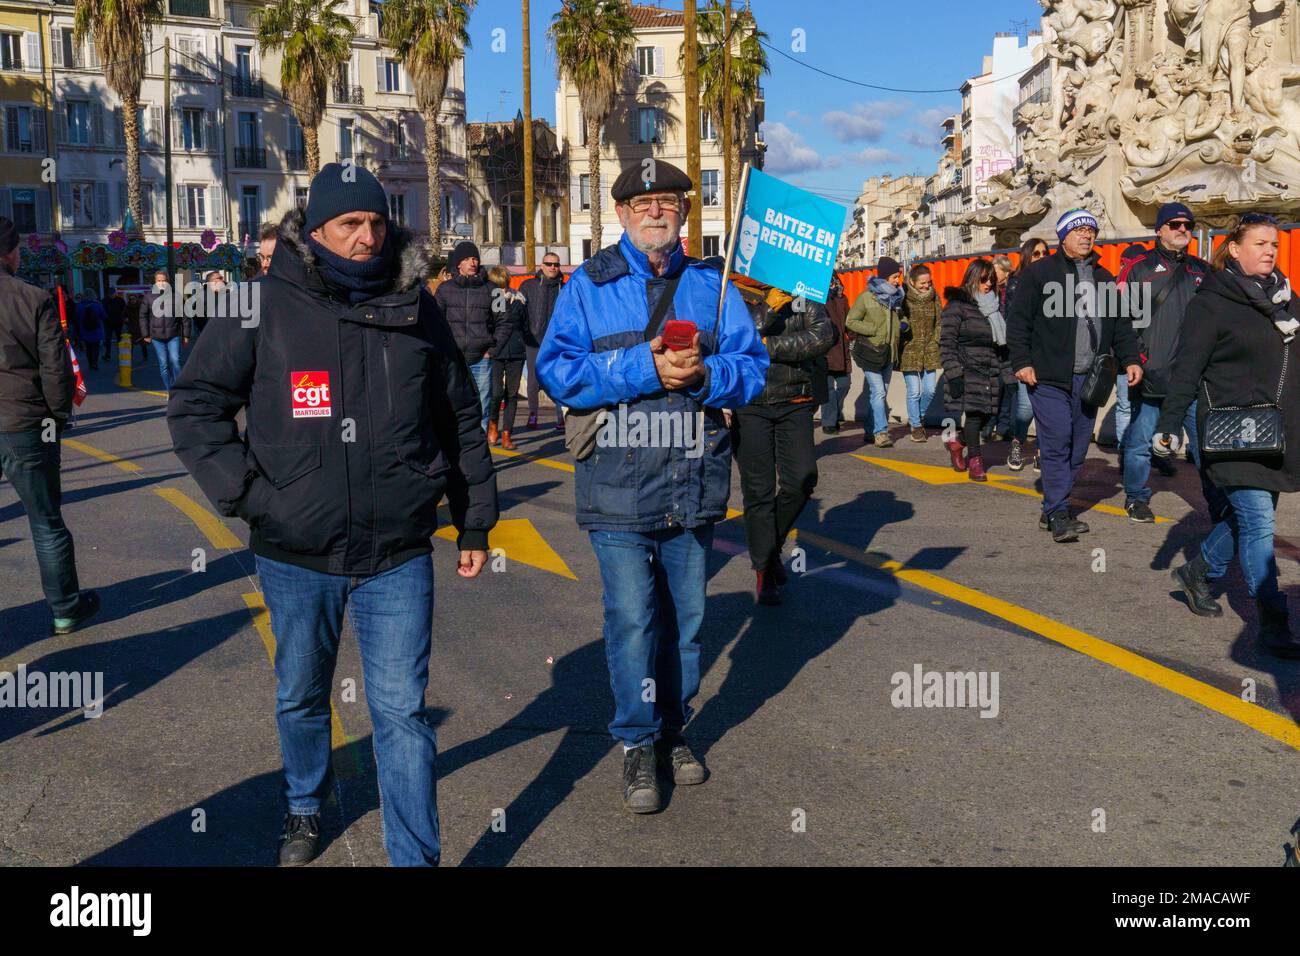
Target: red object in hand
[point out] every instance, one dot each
(679, 335)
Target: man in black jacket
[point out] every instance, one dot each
(1062, 316)
(540, 293)
(1160, 282)
(36, 391)
(478, 320)
(360, 414)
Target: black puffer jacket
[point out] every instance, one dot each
(36, 380)
(968, 352)
(541, 294)
(1232, 349)
(1159, 332)
(517, 318)
(795, 341)
(359, 418)
(467, 303)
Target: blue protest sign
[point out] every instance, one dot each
(788, 238)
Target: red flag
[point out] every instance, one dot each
(80, 395)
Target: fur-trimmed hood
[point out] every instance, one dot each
(411, 255)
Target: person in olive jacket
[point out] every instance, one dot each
(540, 294)
(774, 433)
(875, 321)
(918, 357)
(1237, 347)
(973, 346)
(480, 331)
(360, 416)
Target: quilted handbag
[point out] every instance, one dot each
(1245, 431)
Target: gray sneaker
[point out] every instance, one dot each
(640, 785)
(678, 760)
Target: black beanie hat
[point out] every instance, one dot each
(8, 236)
(887, 267)
(331, 195)
(463, 250)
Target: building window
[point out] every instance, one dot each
(397, 208)
(146, 203)
(11, 51)
(645, 61)
(513, 220)
(584, 191)
(710, 194)
(647, 122)
(192, 129)
(400, 147)
(23, 203)
(196, 206)
(83, 204)
(711, 246)
(345, 139)
(71, 54)
(392, 76)
(244, 63)
(586, 249)
(707, 130)
(300, 196)
(24, 129)
(77, 115)
(250, 211)
(248, 130)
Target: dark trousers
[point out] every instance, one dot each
(971, 430)
(774, 442)
(32, 466)
(1064, 430)
(505, 384)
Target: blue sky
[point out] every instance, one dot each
(822, 133)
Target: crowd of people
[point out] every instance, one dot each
(429, 371)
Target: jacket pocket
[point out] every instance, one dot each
(610, 483)
(290, 508)
(428, 462)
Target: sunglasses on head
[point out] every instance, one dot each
(1256, 218)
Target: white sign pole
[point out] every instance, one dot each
(733, 237)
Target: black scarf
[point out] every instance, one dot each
(1270, 295)
(354, 281)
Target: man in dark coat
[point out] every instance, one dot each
(540, 293)
(480, 330)
(1060, 321)
(360, 416)
(839, 363)
(36, 392)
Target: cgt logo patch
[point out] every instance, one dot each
(310, 392)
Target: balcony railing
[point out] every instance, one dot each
(965, 117)
(189, 8)
(349, 94)
(295, 158)
(250, 157)
(250, 86)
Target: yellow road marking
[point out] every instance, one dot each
(936, 475)
(213, 529)
(522, 542)
(339, 740)
(101, 455)
(535, 459)
(1257, 718)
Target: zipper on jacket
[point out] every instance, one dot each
(388, 379)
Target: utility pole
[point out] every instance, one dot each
(530, 239)
(727, 171)
(167, 153)
(695, 222)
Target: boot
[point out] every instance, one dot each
(765, 588)
(1275, 635)
(975, 466)
(506, 443)
(492, 433)
(1192, 581)
(777, 570)
(955, 449)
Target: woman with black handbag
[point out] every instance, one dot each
(1236, 355)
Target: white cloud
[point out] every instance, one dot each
(875, 156)
(786, 150)
(920, 138)
(863, 122)
(794, 116)
(932, 119)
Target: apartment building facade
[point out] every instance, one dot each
(648, 122)
(26, 187)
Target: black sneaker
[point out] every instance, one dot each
(640, 785)
(1062, 528)
(830, 429)
(1140, 512)
(300, 839)
(1080, 527)
(677, 759)
(1015, 459)
(87, 607)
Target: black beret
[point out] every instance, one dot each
(653, 177)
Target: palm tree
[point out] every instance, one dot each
(121, 30)
(315, 39)
(748, 66)
(594, 45)
(429, 36)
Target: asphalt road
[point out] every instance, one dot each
(1120, 737)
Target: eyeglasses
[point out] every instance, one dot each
(1180, 225)
(551, 265)
(1256, 218)
(639, 204)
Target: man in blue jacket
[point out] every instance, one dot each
(659, 473)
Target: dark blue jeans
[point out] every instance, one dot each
(32, 466)
(654, 603)
(169, 359)
(392, 613)
(1015, 414)
(1064, 431)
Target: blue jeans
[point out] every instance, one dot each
(920, 389)
(837, 386)
(169, 359)
(878, 388)
(1123, 409)
(1136, 447)
(1248, 531)
(482, 372)
(654, 603)
(392, 613)
(32, 466)
(1015, 414)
